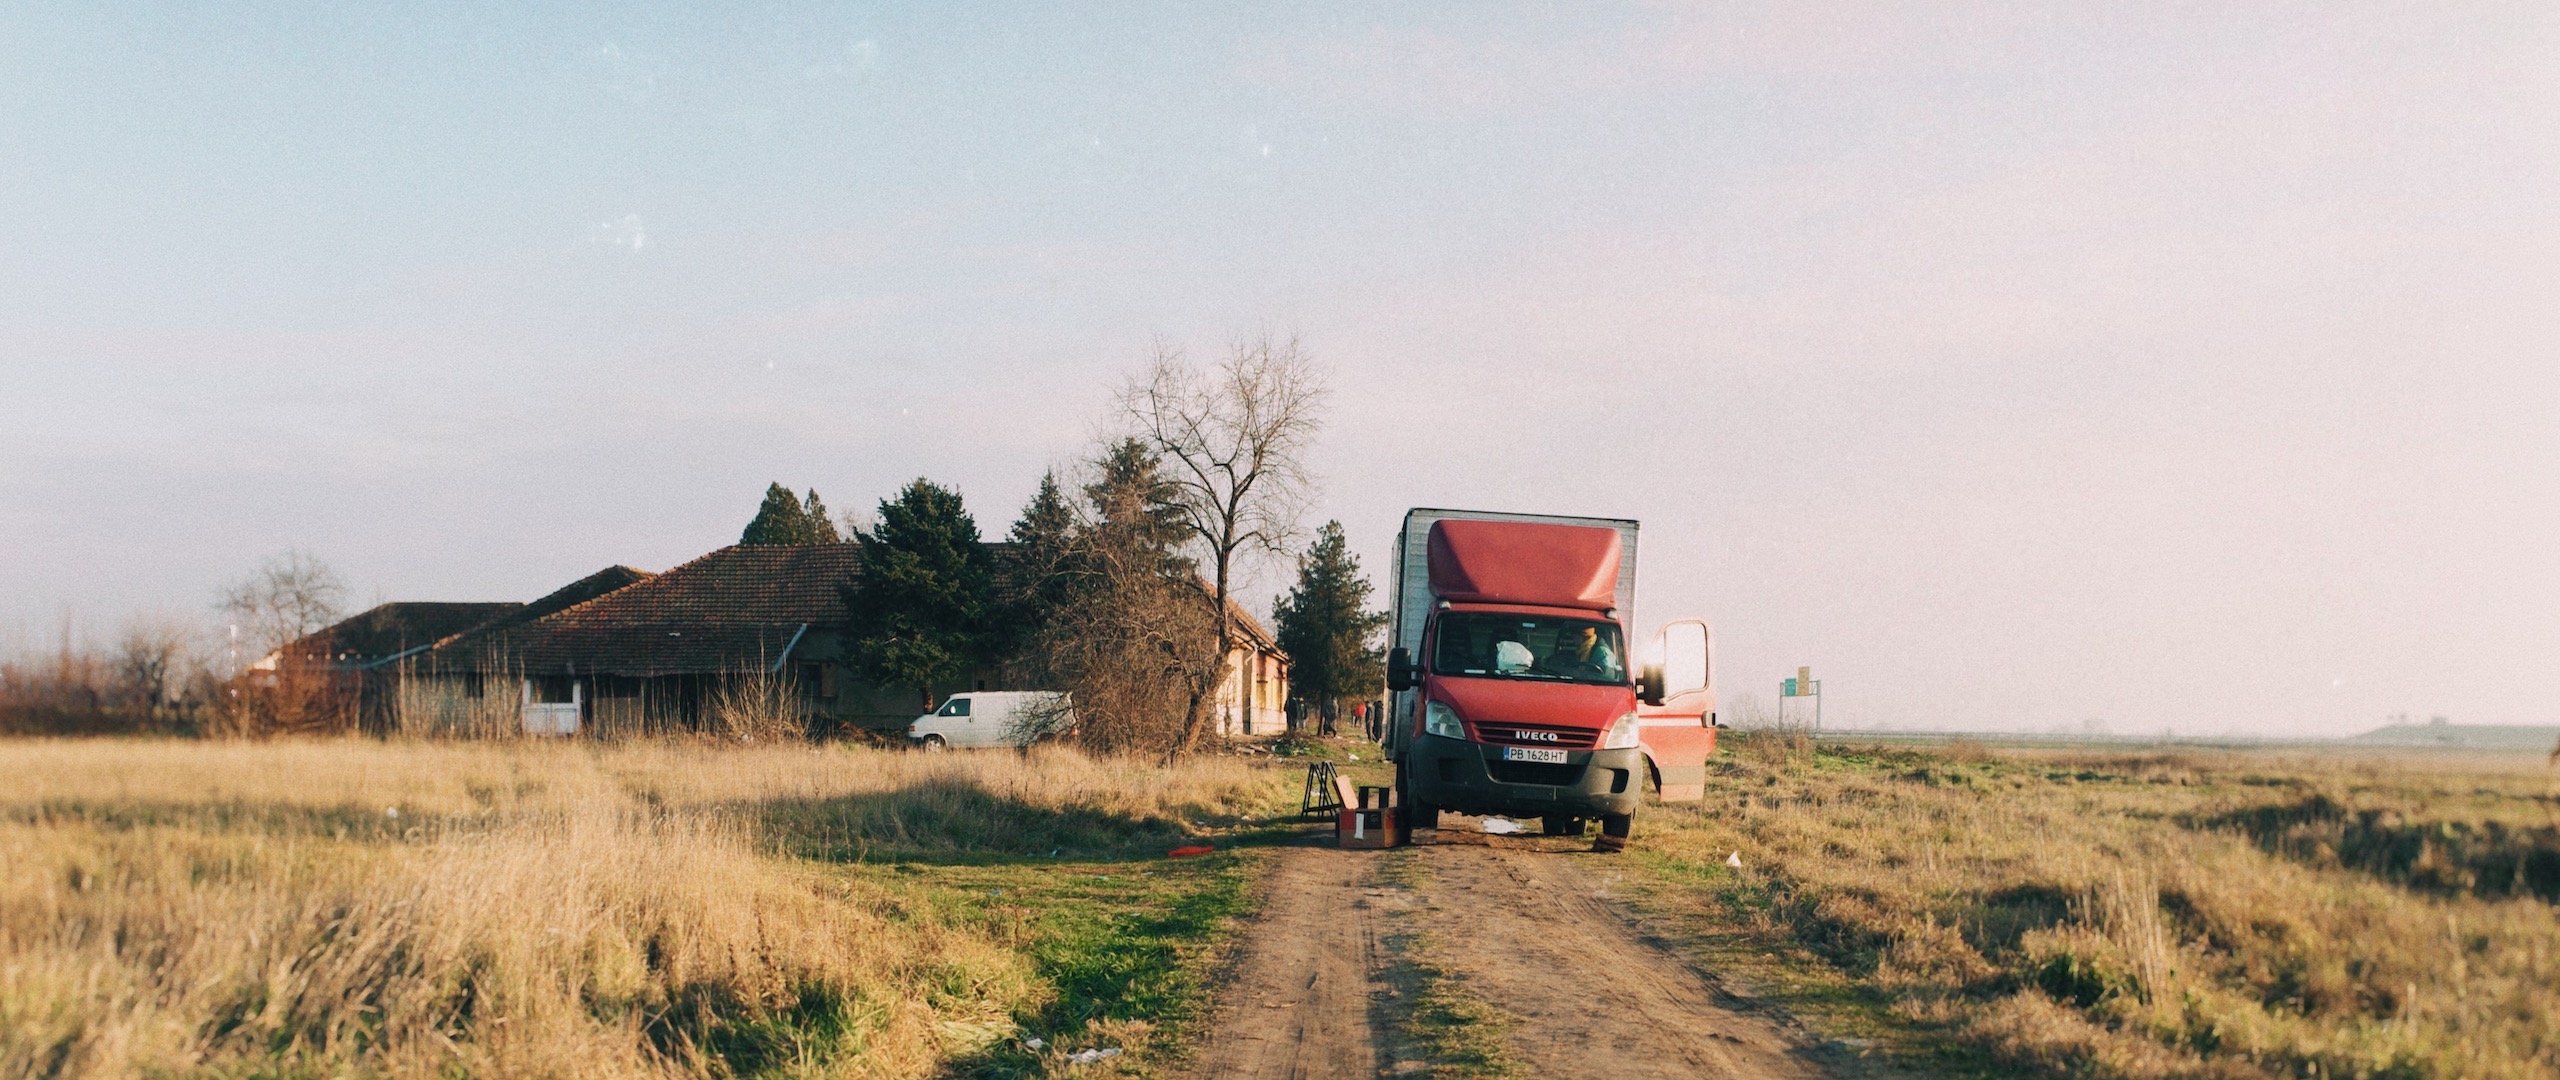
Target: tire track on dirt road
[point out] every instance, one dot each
(1526, 930)
(1299, 1006)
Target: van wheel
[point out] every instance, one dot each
(1412, 812)
(1562, 825)
(934, 742)
(1614, 829)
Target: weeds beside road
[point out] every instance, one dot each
(325, 908)
(2129, 915)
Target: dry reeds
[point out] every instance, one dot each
(2151, 915)
(419, 909)
(756, 705)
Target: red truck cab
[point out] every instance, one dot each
(1516, 693)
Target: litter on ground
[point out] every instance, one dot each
(1734, 860)
(1502, 826)
(1088, 1057)
(1189, 851)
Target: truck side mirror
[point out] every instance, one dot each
(1399, 670)
(1649, 684)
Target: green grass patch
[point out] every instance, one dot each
(1127, 948)
(1456, 1034)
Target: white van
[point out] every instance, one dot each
(993, 718)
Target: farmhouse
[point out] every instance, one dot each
(622, 652)
(763, 621)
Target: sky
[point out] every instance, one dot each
(2156, 367)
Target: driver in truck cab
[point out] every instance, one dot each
(1581, 655)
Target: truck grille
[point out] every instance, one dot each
(1562, 738)
(1530, 772)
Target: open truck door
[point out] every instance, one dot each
(1676, 711)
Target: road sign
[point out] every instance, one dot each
(1800, 700)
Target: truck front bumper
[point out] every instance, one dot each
(1472, 778)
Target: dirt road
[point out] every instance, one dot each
(1523, 925)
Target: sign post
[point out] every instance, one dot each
(1800, 695)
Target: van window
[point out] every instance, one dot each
(958, 706)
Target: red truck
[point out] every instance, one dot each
(1513, 692)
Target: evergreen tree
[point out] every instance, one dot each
(1047, 524)
(919, 613)
(1324, 628)
(816, 527)
(779, 521)
(1133, 500)
(1043, 540)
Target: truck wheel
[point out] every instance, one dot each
(1614, 829)
(1411, 811)
(1562, 825)
(933, 742)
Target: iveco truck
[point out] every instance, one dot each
(1514, 690)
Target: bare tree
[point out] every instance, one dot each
(289, 597)
(151, 659)
(1233, 439)
(1128, 642)
(1123, 628)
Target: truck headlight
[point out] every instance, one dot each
(1622, 734)
(1439, 719)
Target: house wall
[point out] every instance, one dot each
(1253, 698)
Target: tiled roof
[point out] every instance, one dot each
(496, 635)
(735, 607)
(582, 590)
(389, 630)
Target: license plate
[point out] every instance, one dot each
(1532, 753)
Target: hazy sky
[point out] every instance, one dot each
(2173, 368)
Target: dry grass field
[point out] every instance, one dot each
(363, 908)
(2131, 914)
(405, 909)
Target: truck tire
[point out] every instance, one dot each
(1562, 825)
(1614, 830)
(1412, 813)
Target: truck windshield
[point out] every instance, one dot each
(1496, 646)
